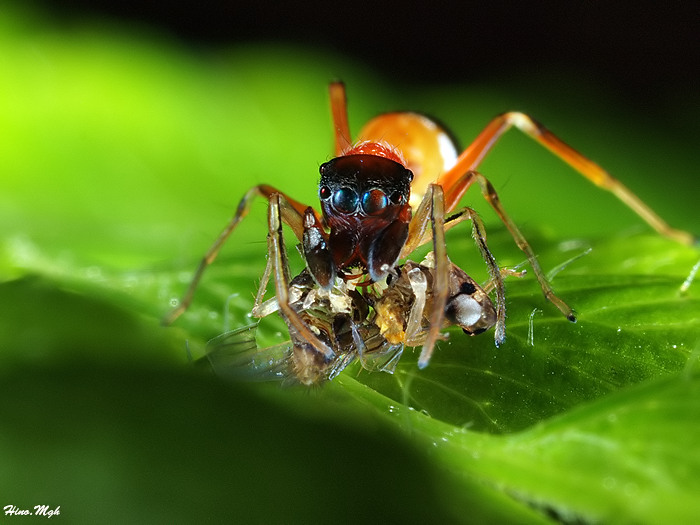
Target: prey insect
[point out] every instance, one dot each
(373, 329)
(394, 189)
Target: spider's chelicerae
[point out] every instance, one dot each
(397, 187)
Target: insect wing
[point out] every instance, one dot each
(384, 359)
(235, 355)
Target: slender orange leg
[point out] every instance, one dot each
(339, 111)
(456, 184)
(292, 214)
(491, 197)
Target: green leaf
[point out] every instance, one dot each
(124, 156)
(631, 327)
(630, 456)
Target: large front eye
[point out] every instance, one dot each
(345, 200)
(374, 201)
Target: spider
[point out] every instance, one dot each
(396, 188)
(373, 326)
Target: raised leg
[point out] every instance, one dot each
(339, 111)
(470, 159)
(292, 214)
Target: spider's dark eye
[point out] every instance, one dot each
(345, 200)
(374, 201)
(324, 193)
(397, 198)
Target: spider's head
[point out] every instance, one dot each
(364, 198)
(363, 189)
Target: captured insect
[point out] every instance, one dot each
(394, 189)
(371, 327)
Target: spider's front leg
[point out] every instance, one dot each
(301, 333)
(436, 206)
(292, 213)
(446, 282)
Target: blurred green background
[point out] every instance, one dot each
(125, 146)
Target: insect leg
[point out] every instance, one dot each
(470, 159)
(489, 285)
(419, 286)
(262, 308)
